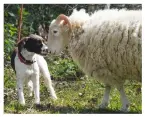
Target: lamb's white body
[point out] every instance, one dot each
(28, 62)
(30, 74)
(105, 45)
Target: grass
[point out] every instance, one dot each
(74, 96)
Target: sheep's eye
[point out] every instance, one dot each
(55, 31)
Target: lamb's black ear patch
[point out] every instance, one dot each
(21, 43)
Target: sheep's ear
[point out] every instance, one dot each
(40, 30)
(43, 31)
(63, 19)
(53, 21)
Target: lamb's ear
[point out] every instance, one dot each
(63, 19)
(21, 43)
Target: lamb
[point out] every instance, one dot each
(105, 45)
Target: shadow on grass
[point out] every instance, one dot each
(54, 109)
(104, 111)
(68, 109)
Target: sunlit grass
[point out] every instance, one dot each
(78, 96)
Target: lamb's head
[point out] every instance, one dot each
(59, 34)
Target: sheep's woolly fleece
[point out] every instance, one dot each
(107, 44)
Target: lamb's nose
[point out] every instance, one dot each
(45, 50)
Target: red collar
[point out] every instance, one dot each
(23, 60)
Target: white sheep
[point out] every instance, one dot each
(105, 45)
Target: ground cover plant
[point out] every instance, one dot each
(76, 92)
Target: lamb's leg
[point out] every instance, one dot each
(49, 86)
(30, 87)
(20, 82)
(105, 100)
(124, 100)
(35, 80)
(44, 69)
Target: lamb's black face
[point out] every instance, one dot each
(34, 44)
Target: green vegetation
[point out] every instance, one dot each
(74, 96)
(76, 92)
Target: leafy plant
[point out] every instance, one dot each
(64, 69)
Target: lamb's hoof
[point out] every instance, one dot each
(54, 97)
(103, 106)
(37, 102)
(22, 103)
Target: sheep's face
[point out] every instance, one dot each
(58, 36)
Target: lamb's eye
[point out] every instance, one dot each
(39, 43)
